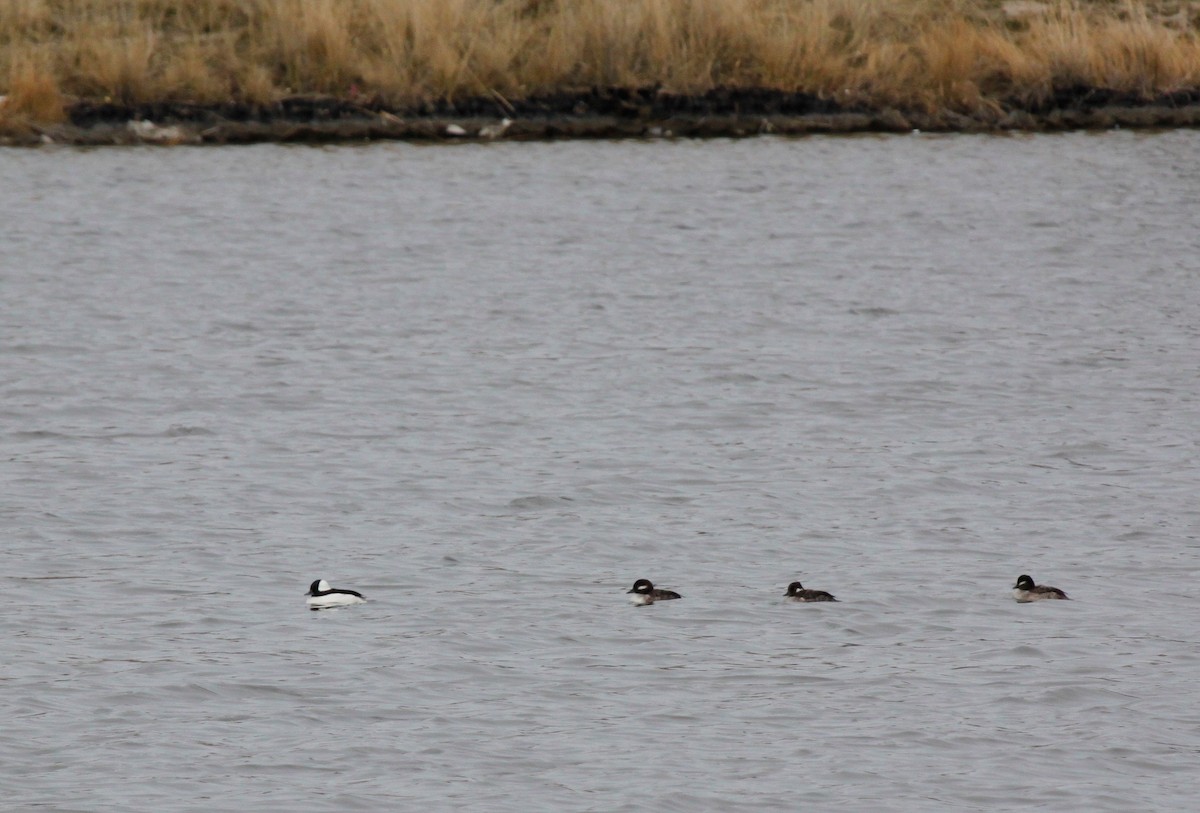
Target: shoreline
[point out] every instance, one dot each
(214, 71)
(598, 113)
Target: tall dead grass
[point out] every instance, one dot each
(32, 99)
(963, 55)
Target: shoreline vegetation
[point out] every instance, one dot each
(235, 71)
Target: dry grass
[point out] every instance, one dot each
(962, 55)
(32, 98)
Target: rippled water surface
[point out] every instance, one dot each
(489, 386)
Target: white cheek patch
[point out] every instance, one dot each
(322, 586)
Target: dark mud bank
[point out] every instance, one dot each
(595, 113)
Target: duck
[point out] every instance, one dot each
(321, 596)
(644, 592)
(1025, 591)
(796, 592)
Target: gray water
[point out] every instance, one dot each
(490, 386)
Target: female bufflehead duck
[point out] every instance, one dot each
(796, 592)
(1025, 591)
(321, 595)
(646, 593)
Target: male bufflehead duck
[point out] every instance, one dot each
(796, 592)
(321, 595)
(1025, 591)
(646, 593)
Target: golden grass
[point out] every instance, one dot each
(32, 98)
(961, 55)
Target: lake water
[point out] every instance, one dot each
(490, 386)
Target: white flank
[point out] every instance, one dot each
(334, 600)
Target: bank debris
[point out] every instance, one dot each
(598, 113)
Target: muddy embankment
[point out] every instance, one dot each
(594, 113)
